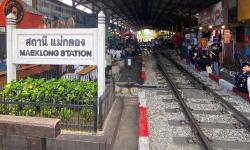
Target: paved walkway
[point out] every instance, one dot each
(127, 137)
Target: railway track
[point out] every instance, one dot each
(214, 121)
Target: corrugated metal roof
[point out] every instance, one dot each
(160, 14)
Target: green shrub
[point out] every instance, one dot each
(48, 112)
(28, 111)
(65, 114)
(86, 115)
(53, 91)
(14, 109)
(2, 108)
(56, 91)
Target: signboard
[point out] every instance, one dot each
(213, 15)
(55, 46)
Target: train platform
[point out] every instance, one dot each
(161, 122)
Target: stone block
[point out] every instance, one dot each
(2, 129)
(1, 144)
(76, 142)
(14, 141)
(29, 126)
(13, 148)
(35, 143)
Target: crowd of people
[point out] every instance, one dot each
(203, 59)
(120, 48)
(208, 59)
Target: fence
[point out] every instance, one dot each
(106, 101)
(74, 116)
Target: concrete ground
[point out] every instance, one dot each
(127, 137)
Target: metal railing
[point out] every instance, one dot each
(53, 110)
(105, 102)
(74, 116)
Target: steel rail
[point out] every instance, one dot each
(202, 137)
(237, 114)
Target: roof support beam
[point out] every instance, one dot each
(133, 13)
(158, 6)
(116, 11)
(160, 13)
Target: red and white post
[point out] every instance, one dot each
(143, 123)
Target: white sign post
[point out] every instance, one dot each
(11, 67)
(101, 54)
(57, 46)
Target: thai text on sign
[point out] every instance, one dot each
(46, 46)
(49, 45)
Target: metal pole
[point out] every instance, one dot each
(11, 67)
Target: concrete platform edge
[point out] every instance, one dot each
(227, 85)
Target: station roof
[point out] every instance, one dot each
(152, 13)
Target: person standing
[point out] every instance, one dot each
(215, 60)
(242, 80)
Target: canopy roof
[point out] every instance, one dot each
(151, 13)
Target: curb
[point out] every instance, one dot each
(227, 85)
(143, 123)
